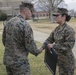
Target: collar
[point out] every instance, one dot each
(60, 28)
(20, 16)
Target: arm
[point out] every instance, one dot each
(4, 36)
(30, 44)
(69, 41)
(50, 39)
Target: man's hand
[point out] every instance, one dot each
(40, 49)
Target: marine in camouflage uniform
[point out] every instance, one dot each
(63, 38)
(18, 41)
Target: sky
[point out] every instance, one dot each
(71, 4)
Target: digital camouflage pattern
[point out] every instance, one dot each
(63, 38)
(18, 41)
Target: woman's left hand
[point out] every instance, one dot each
(50, 46)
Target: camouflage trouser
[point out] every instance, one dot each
(66, 64)
(17, 71)
(63, 71)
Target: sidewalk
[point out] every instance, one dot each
(0, 32)
(41, 37)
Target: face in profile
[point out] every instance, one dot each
(58, 18)
(28, 14)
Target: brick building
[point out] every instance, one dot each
(11, 8)
(41, 14)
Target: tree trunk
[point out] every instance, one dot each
(51, 14)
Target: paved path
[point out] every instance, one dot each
(0, 32)
(41, 37)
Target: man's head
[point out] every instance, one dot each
(26, 10)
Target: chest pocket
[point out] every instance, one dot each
(59, 36)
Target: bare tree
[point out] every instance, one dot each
(50, 5)
(75, 14)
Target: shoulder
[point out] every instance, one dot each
(69, 29)
(13, 21)
(27, 26)
(16, 23)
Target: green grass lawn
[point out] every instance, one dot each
(0, 25)
(2, 67)
(36, 63)
(73, 19)
(47, 20)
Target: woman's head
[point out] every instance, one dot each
(61, 15)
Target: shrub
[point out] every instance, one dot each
(3, 16)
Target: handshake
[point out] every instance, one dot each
(48, 45)
(40, 49)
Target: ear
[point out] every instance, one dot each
(24, 11)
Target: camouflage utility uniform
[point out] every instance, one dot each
(63, 38)
(18, 41)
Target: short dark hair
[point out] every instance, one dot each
(26, 5)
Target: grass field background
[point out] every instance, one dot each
(36, 63)
(45, 25)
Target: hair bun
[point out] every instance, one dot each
(68, 17)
